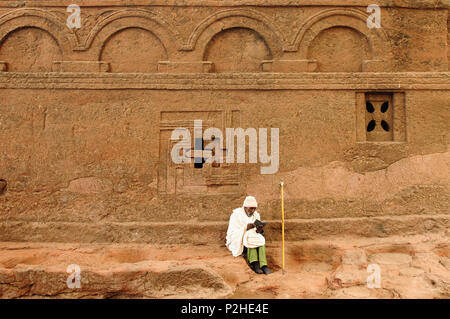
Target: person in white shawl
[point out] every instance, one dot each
(243, 232)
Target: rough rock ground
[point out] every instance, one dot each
(411, 267)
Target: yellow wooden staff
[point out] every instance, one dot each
(282, 227)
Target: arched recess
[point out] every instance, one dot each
(237, 50)
(133, 50)
(30, 49)
(349, 18)
(235, 18)
(41, 19)
(134, 18)
(339, 49)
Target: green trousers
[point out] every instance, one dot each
(257, 254)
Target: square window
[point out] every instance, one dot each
(380, 117)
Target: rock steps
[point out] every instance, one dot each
(410, 267)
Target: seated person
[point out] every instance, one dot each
(242, 231)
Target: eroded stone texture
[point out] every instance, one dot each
(90, 185)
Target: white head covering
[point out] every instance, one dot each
(250, 201)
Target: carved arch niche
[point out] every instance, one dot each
(340, 41)
(235, 40)
(133, 50)
(29, 49)
(336, 40)
(339, 49)
(31, 40)
(237, 50)
(132, 41)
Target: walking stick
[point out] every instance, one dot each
(282, 227)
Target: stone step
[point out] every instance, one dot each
(339, 267)
(105, 272)
(215, 232)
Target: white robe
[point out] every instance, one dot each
(237, 228)
(252, 239)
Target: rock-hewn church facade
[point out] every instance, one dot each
(86, 115)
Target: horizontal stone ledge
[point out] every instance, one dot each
(80, 66)
(356, 76)
(220, 81)
(215, 232)
(431, 4)
(312, 66)
(185, 67)
(289, 65)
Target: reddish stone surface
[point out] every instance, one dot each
(337, 267)
(86, 117)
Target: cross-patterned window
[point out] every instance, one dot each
(379, 117)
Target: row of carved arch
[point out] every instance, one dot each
(198, 40)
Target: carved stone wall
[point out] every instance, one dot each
(288, 39)
(86, 114)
